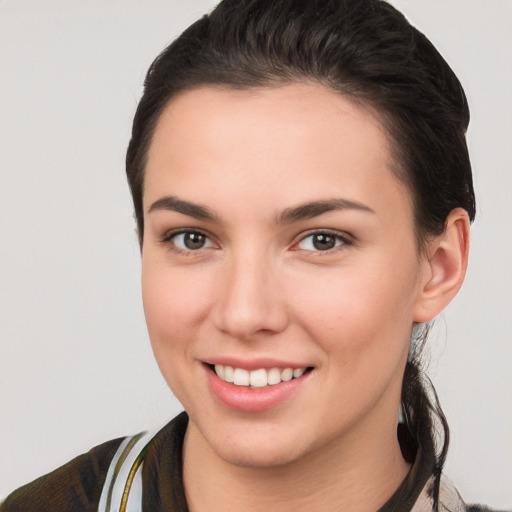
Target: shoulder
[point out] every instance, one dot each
(75, 486)
(481, 508)
(449, 499)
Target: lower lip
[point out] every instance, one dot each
(247, 399)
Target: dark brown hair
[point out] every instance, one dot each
(366, 50)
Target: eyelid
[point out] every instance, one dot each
(178, 231)
(345, 238)
(166, 239)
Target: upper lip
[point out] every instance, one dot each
(255, 363)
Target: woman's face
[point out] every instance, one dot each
(276, 239)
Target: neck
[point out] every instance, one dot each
(358, 474)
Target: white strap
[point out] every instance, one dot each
(118, 472)
(134, 503)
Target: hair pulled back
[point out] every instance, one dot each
(367, 51)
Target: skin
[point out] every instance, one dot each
(259, 288)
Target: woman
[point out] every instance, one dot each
(303, 196)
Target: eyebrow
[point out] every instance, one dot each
(303, 211)
(172, 203)
(315, 208)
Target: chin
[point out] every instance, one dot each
(260, 447)
(257, 457)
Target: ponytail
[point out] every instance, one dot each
(425, 430)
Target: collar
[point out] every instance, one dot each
(449, 498)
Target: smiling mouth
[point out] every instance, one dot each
(259, 378)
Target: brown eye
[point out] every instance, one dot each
(190, 241)
(322, 242)
(194, 241)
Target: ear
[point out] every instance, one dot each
(444, 267)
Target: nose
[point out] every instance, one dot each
(250, 301)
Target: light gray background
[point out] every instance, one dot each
(76, 367)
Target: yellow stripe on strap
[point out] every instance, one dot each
(131, 475)
(118, 466)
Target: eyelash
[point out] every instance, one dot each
(341, 241)
(167, 239)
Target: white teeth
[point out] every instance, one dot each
(228, 373)
(240, 377)
(298, 372)
(257, 378)
(287, 374)
(219, 370)
(274, 376)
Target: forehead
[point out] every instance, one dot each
(290, 142)
(304, 111)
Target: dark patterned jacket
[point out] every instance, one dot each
(77, 486)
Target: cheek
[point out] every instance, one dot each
(175, 303)
(362, 323)
(359, 310)
(174, 309)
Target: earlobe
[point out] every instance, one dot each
(444, 267)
